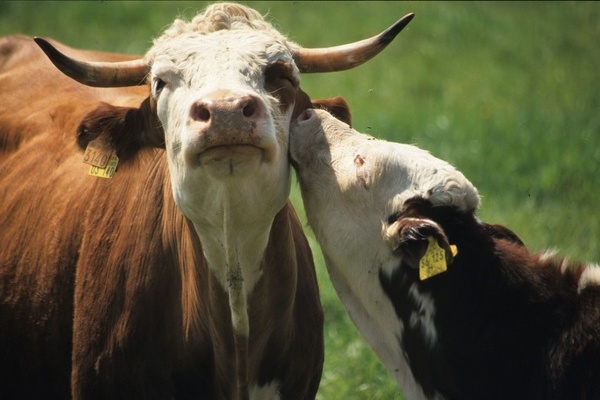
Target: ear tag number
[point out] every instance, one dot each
(109, 170)
(98, 152)
(434, 260)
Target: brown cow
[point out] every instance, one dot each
(185, 273)
(455, 308)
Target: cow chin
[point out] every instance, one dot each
(231, 161)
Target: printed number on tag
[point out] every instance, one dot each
(434, 260)
(109, 170)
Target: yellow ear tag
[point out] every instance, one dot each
(454, 250)
(102, 158)
(434, 260)
(98, 152)
(109, 170)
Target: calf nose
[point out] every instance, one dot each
(227, 108)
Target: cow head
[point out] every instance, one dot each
(223, 90)
(353, 183)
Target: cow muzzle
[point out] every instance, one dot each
(222, 107)
(229, 129)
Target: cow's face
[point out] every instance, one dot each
(351, 183)
(226, 117)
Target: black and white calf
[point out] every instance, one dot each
(455, 308)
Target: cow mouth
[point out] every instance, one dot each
(231, 160)
(216, 153)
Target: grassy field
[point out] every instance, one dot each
(507, 92)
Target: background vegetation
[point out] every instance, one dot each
(507, 92)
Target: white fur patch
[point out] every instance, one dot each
(548, 255)
(589, 277)
(423, 317)
(231, 195)
(230, 173)
(269, 391)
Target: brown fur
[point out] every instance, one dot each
(104, 291)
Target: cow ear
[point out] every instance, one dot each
(411, 239)
(336, 106)
(123, 129)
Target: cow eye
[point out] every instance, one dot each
(286, 76)
(288, 79)
(280, 74)
(157, 86)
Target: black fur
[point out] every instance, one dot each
(510, 325)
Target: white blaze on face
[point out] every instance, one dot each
(226, 136)
(222, 127)
(217, 96)
(351, 183)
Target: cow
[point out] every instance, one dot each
(179, 269)
(454, 307)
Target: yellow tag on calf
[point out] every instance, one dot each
(434, 260)
(454, 250)
(109, 170)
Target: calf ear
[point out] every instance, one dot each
(336, 106)
(123, 129)
(410, 239)
(501, 232)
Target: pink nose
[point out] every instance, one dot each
(227, 108)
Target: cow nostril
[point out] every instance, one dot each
(249, 109)
(215, 107)
(306, 115)
(202, 113)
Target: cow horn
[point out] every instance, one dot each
(98, 74)
(347, 56)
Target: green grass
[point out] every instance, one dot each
(507, 92)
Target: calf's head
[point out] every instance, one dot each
(223, 90)
(353, 184)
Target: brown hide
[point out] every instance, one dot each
(104, 291)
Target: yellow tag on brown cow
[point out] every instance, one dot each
(98, 152)
(109, 170)
(434, 260)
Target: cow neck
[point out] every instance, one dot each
(234, 247)
(238, 301)
(234, 274)
(235, 252)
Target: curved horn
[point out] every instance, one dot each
(347, 56)
(98, 74)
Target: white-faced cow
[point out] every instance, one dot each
(186, 274)
(455, 308)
